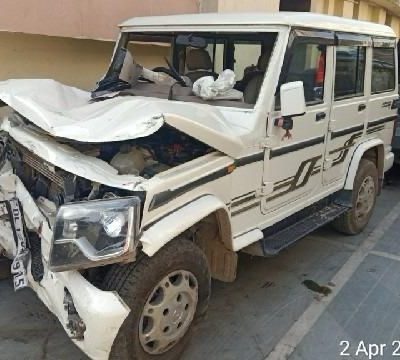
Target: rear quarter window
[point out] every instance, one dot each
(383, 70)
(350, 71)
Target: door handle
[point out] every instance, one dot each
(320, 116)
(361, 107)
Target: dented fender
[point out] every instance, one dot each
(170, 226)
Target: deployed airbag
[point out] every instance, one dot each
(221, 89)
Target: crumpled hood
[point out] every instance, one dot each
(67, 112)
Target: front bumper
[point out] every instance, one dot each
(389, 158)
(102, 312)
(389, 161)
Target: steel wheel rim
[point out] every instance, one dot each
(365, 198)
(168, 312)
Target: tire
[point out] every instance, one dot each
(356, 219)
(178, 264)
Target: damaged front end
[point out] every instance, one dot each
(71, 209)
(91, 224)
(90, 196)
(54, 225)
(74, 175)
(90, 316)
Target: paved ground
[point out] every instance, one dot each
(268, 313)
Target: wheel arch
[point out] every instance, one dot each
(372, 150)
(207, 222)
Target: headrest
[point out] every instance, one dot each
(263, 61)
(197, 59)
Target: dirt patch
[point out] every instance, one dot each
(315, 287)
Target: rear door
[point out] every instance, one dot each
(384, 92)
(349, 104)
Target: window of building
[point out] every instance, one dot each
(350, 71)
(308, 65)
(298, 5)
(383, 70)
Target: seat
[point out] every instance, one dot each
(199, 64)
(253, 81)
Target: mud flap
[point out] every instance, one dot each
(20, 262)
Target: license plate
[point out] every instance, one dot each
(18, 266)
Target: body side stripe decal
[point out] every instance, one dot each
(382, 121)
(244, 200)
(249, 159)
(164, 197)
(343, 132)
(295, 147)
(249, 207)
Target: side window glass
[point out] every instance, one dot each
(350, 71)
(383, 70)
(307, 65)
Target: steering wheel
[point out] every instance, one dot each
(171, 71)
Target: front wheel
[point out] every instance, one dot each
(165, 293)
(363, 200)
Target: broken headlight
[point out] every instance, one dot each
(94, 233)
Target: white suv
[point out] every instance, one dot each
(249, 132)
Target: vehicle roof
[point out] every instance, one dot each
(298, 19)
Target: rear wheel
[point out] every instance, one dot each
(363, 200)
(166, 294)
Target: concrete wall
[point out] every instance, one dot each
(379, 11)
(70, 61)
(82, 62)
(92, 19)
(238, 5)
(54, 38)
(248, 5)
(74, 62)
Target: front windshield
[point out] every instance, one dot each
(213, 68)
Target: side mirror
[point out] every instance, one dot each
(293, 102)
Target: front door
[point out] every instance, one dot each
(293, 165)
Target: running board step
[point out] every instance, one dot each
(274, 243)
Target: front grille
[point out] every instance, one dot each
(23, 159)
(41, 166)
